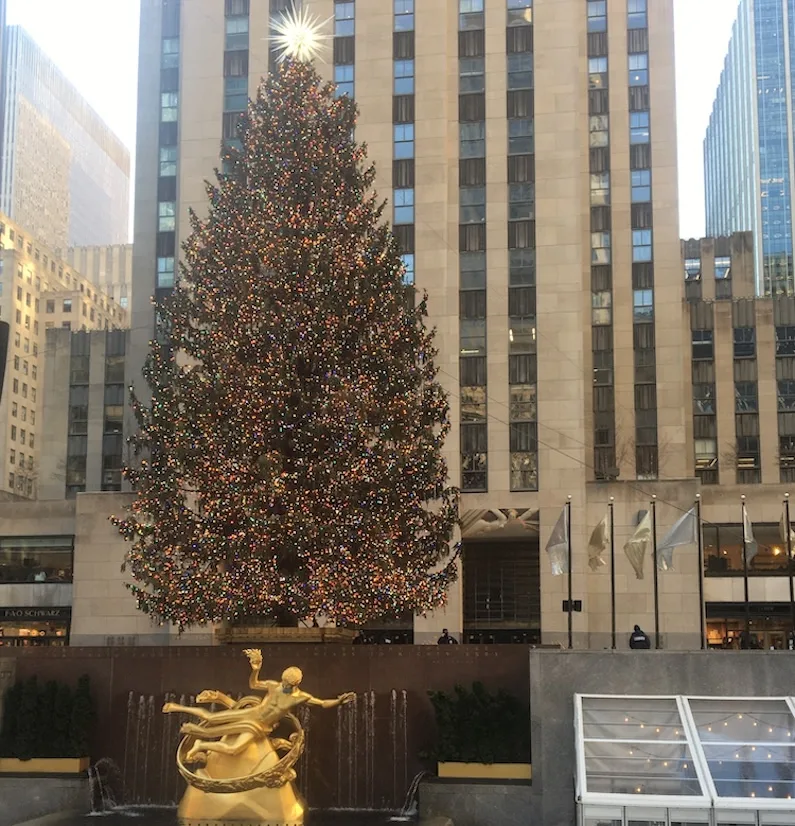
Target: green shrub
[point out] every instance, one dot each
(476, 726)
(46, 721)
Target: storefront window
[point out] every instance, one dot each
(769, 625)
(723, 551)
(36, 559)
(34, 626)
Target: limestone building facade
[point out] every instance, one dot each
(39, 291)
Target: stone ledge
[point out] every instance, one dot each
(479, 803)
(26, 798)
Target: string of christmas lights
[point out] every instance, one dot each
(289, 463)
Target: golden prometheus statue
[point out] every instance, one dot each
(231, 761)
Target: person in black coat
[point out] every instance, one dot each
(639, 639)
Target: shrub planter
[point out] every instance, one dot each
(485, 771)
(44, 765)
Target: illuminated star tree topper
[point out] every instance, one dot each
(291, 457)
(298, 35)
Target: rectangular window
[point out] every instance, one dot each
(786, 395)
(344, 19)
(636, 14)
(165, 272)
(408, 264)
(404, 77)
(343, 78)
(702, 345)
(643, 305)
(473, 139)
(641, 245)
(236, 32)
(597, 16)
(471, 75)
(599, 131)
(639, 69)
(601, 307)
(470, 15)
(404, 140)
(520, 12)
(600, 248)
(639, 129)
(744, 342)
(472, 267)
(520, 71)
(170, 53)
(723, 267)
(404, 15)
(168, 161)
(706, 451)
(472, 209)
(785, 341)
(692, 269)
(404, 206)
(521, 202)
(235, 95)
(166, 216)
(67, 305)
(745, 397)
(168, 106)
(520, 136)
(600, 188)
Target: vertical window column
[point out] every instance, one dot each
(77, 438)
(113, 419)
(604, 421)
(646, 438)
(344, 46)
(276, 9)
(705, 424)
(746, 393)
(522, 320)
(472, 245)
(236, 59)
(784, 319)
(168, 149)
(403, 133)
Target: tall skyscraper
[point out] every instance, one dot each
(65, 176)
(528, 149)
(748, 148)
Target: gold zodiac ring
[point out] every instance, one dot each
(273, 778)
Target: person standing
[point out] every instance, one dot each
(446, 638)
(639, 639)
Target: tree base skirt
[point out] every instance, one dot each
(44, 765)
(264, 635)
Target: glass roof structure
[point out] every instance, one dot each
(685, 761)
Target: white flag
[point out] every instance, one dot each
(558, 546)
(684, 532)
(638, 544)
(782, 529)
(750, 545)
(599, 543)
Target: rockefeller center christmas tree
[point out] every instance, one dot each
(289, 462)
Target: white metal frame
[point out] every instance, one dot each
(710, 798)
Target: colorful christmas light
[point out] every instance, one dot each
(290, 458)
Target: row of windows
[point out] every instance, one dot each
(24, 363)
(22, 413)
(24, 436)
(637, 16)
(744, 341)
(722, 268)
(471, 13)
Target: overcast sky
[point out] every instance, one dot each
(95, 43)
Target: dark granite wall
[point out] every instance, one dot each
(362, 758)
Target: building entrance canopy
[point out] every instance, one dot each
(685, 761)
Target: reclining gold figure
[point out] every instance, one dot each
(239, 774)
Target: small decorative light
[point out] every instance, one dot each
(770, 788)
(657, 730)
(626, 719)
(737, 756)
(753, 748)
(739, 716)
(642, 726)
(753, 794)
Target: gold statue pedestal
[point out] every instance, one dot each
(230, 758)
(278, 806)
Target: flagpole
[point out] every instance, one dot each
(745, 579)
(701, 606)
(613, 576)
(656, 584)
(568, 540)
(790, 563)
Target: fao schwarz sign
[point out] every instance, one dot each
(35, 613)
